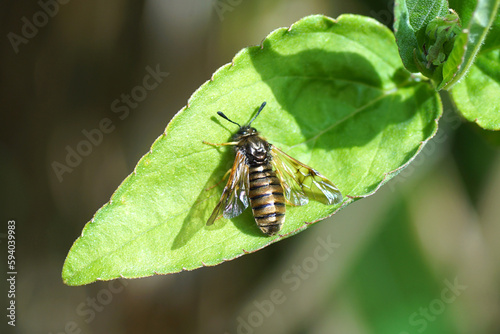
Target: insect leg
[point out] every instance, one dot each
(229, 171)
(221, 144)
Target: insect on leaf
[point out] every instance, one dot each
(338, 99)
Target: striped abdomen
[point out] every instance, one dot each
(266, 198)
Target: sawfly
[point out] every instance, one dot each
(267, 178)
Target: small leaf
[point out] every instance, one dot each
(338, 99)
(411, 20)
(468, 43)
(436, 44)
(442, 32)
(433, 58)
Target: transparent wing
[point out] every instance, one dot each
(301, 181)
(234, 197)
(237, 200)
(286, 173)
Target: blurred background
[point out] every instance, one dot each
(420, 256)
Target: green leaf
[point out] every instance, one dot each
(338, 99)
(477, 96)
(411, 19)
(468, 43)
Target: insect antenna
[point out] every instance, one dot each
(258, 112)
(225, 117)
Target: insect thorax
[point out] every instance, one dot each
(256, 149)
